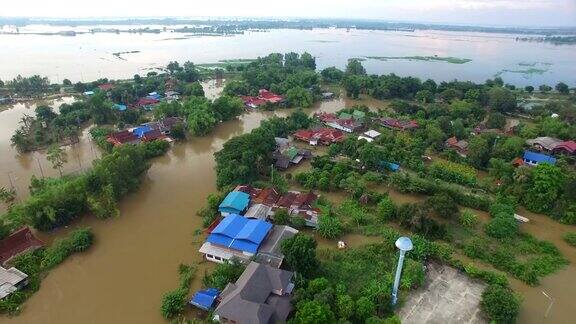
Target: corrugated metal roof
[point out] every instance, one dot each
(205, 298)
(235, 200)
(538, 158)
(239, 233)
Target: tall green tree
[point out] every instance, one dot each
(57, 156)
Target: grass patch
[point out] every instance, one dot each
(447, 59)
(570, 238)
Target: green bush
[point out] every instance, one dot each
(502, 226)
(453, 172)
(173, 303)
(570, 238)
(78, 241)
(223, 274)
(468, 219)
(500, 304)
(386, 209)
(329, 226)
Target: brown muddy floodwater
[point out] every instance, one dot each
(135, 258)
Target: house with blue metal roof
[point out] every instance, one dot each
(394, 167)
(242, 238)
(141, 130)
(205, 298)
(533, 158)
(235, 202)
(120, 107)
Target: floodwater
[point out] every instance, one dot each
(135, 257)
(87, 57)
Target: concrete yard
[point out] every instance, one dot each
(447, 296)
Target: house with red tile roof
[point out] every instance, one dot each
(324, 136)
(106, 87)
(21, 241)
(566, 147)
(397, 124)
(460, 146)
(122, 137)
(264, 97)
(325, 117)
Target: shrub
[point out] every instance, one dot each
(329, 226)
(386, 209)
(223, 274)
(502, 226)
(173, 303)
(443, 205)
(570, 238)
(78, 241)
(468, 219)
(281, 217)
(500, 304)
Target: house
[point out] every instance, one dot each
(205, 298)
(264, 97)
(262, 295)
(122, 137)
(325, 117)
(347, 125)
(369, 136)
(544, 143)
(324, 136)
(289, 155)
(267, 196)
(106, 86)
(397, 124)
(235, 237)
(327, 95)
(153, 135)
(566, 147)
(11, 280)
(21, 241)
(533, 158)
(282, 142)
(461, 146)
(147, 103)
(172, 95)
(234, 203)
(258, 211)
(141, 130)
(166, 124)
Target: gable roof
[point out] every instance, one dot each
(548, 143)
(205, 298)
(249, 299)
(239, 233)
(141, 130)
(538, 157)
(569, 146)
(235, 200)
(18, 242)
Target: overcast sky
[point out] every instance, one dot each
(485, 12)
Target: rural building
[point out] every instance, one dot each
(460, 146)
(205, 299)
(323, 136)
(544, 143)
(533, 158)
(122, 137)
(258, 211)
(235, 202)
(106, 86)
(397, 124)
(325, 117)
(264, 97)
(261, 295)
(347, 125)
(237, 237)
(11, 280)
(21, 241)
(285, 156)
(369, 136)
(566, 147)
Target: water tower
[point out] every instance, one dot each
(404, 244)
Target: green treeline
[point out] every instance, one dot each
(56, 202)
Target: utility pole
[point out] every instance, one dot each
(404, 244)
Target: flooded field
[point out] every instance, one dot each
(135, 257)
(423, 54)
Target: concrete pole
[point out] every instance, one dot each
(397, 278)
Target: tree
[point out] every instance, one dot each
(227, 107)
(544, 187)
(443, 205)
(364, 308)
(425, 96)
(313, 312)
(281, 217)
(173, 67)
(501, 99)
(386, 209)
(562, 88)
(300, 254)
(501, 305)
(332, 74)
(194, 89)
(529, 89)
(45, 113)
(67, 82)
(299, 97)
(496, 120)
(354, 67)
(178, 132)
(57, 156)
(479, 151)
(509, 148)
(544, 88)
(353, 84)
(344, 307)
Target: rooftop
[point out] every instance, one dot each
(240, 233)
(18, 242)
(235, 200)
